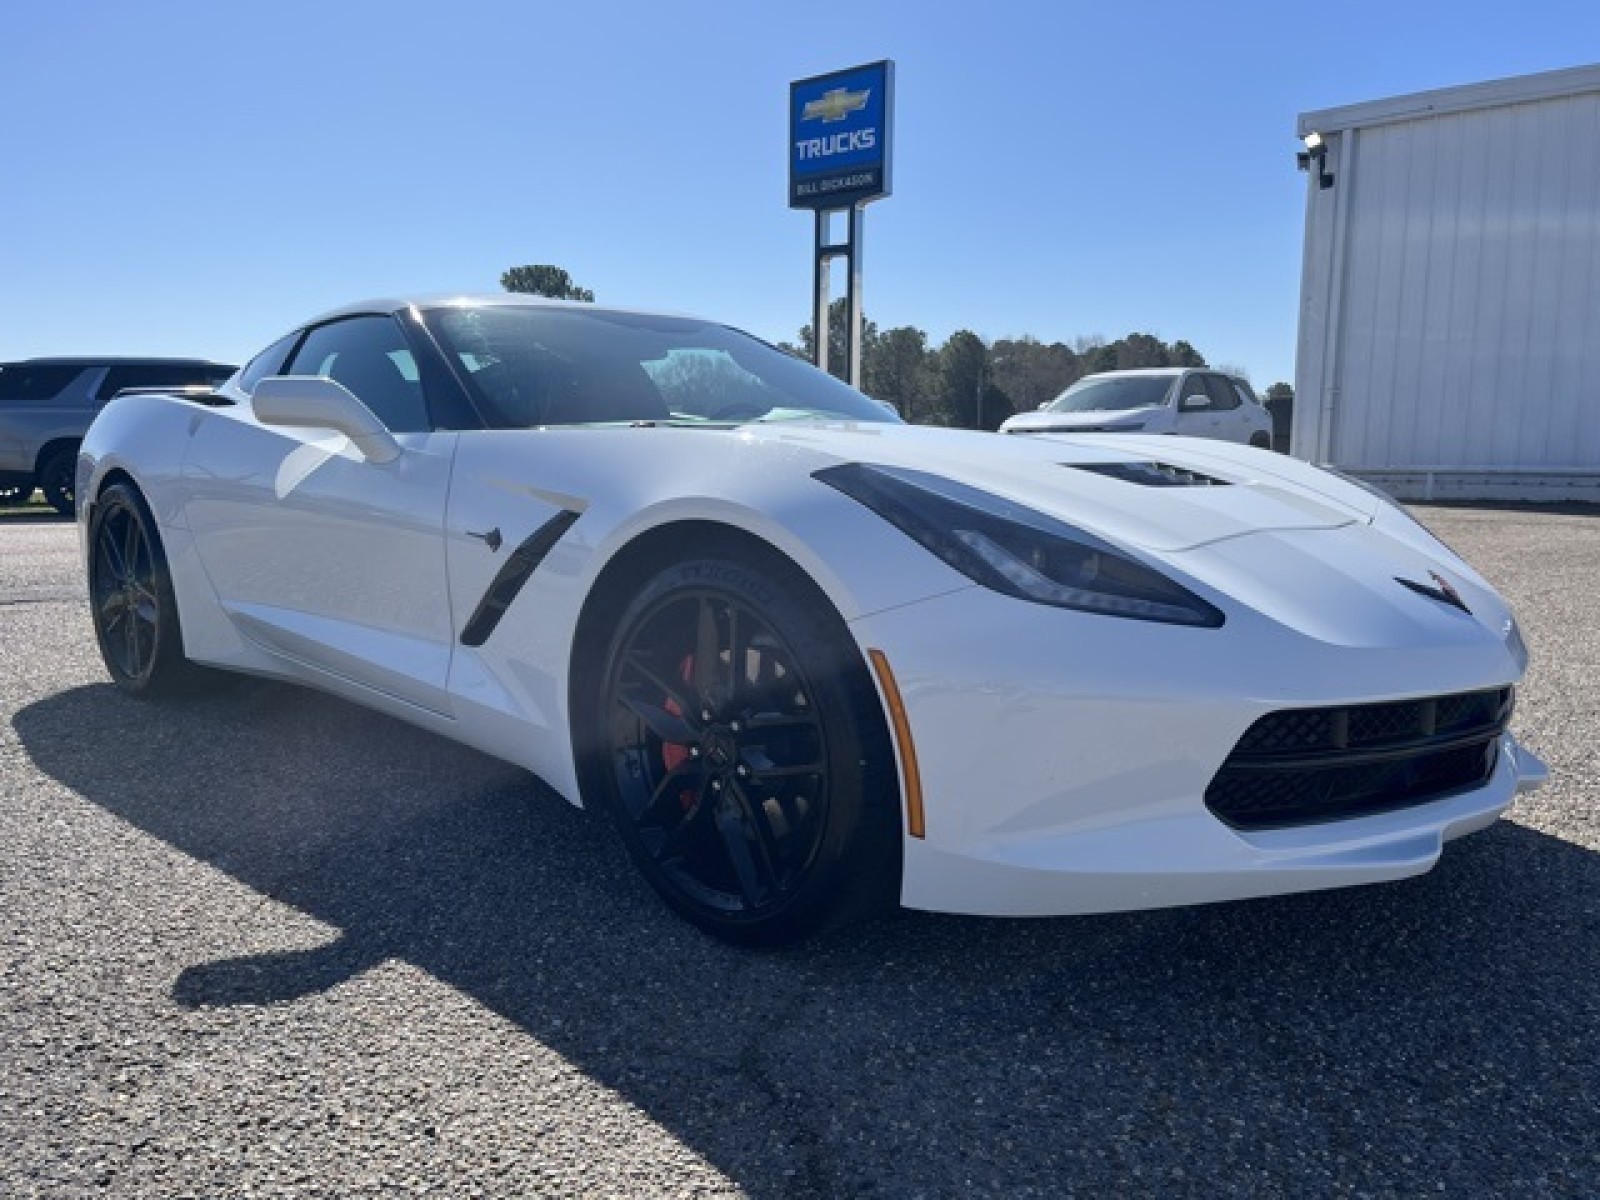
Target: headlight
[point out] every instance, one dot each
(1017, 551)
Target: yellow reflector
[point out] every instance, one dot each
(902, 736)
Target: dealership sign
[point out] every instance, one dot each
(839, 137)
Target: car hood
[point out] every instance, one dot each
(1042, 419)
(1320, 554)
(1162, 493)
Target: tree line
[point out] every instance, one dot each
(968, 382)
(964, 381)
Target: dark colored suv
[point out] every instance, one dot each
(46, 405)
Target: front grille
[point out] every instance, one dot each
(1305, 765)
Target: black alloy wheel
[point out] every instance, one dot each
(131, 599)
(56, 481)
(744, 754)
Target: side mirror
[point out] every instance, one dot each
(1194, 403)
(319, 402)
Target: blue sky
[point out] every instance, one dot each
(196, 178)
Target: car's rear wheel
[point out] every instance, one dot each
(743, 754)
(131, 599)
(1261, 441)
(56, 481)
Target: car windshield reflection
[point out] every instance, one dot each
(1112, 395)
(529, 367)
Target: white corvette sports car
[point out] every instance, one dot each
(808, 658)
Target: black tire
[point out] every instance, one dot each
(57, 480)
(1261, 441)
(760, 804)
(131, 600)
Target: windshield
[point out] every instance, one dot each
(533, 366)
(1107, 393)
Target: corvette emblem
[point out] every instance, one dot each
(1443, 590)
(835, 105)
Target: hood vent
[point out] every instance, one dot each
(1150, 474)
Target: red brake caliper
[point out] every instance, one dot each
(673, 755)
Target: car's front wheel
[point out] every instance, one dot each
(131, 599)
(742, 752)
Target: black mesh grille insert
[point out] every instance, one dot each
(1304, 765)
(1151, 474)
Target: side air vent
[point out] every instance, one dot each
(1150, 474)
(503, 589)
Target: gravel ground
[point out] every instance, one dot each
(269, 944)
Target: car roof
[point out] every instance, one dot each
(1153, 372)
(112, 360)
(394, 304)
(1165, 373)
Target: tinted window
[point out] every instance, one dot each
(21, 382)
(369, 356)
(138, 375)
(532, 366)
(1223, 397)
(1195, 385)
(268, 362)
(1246, 392)
(1110, 393)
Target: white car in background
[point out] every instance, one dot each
(1181, 400)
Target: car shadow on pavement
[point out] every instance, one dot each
(1439, 1033)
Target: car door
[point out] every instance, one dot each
(319, 555)
(1249, 418)
(1227, 407)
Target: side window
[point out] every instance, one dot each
(118, 378)
(268, 362)
(1247, 394)
(368, 355)
(1194, 384)
(150, 375)
(21, 382)
(1223, 397)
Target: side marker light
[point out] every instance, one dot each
(910, 773)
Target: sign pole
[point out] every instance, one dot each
(826, 252)
(819, 293)
(853, 334)
(840, 126)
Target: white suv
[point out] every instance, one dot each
(1189, 401)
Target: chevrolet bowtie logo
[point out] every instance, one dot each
(835, 105)
(1444, 593)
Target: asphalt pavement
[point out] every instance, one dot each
(264, 943)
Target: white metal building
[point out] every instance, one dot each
(1450, 296)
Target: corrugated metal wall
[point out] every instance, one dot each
(1466, 314)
